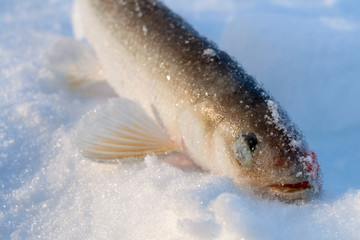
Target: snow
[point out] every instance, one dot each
(209, 52)
(305, 52)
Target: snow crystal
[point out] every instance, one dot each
(49, 191)
(144, 29)
(210, 52)
(275, 117)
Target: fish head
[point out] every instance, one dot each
(269, 153)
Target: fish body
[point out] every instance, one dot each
(207, 105)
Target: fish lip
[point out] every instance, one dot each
(291, 187)
(301, 191)
(291, 192)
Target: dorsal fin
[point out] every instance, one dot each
(121, 129)
(74, 64)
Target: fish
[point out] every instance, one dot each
(179, 93)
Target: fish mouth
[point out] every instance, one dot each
(291, 192)
(290, 187)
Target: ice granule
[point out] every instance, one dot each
(210, 52)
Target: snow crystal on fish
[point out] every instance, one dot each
(209, 52)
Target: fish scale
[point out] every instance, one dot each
(203, 99)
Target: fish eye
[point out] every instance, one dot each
(243, 148)
(251, 140)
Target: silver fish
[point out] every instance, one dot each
(188, 96)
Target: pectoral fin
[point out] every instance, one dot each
(122, 130)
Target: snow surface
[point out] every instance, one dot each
(307, 53)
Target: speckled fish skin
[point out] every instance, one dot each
(204, 99)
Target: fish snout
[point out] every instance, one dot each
(301, 175)
(311, 165)
(305, 165)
